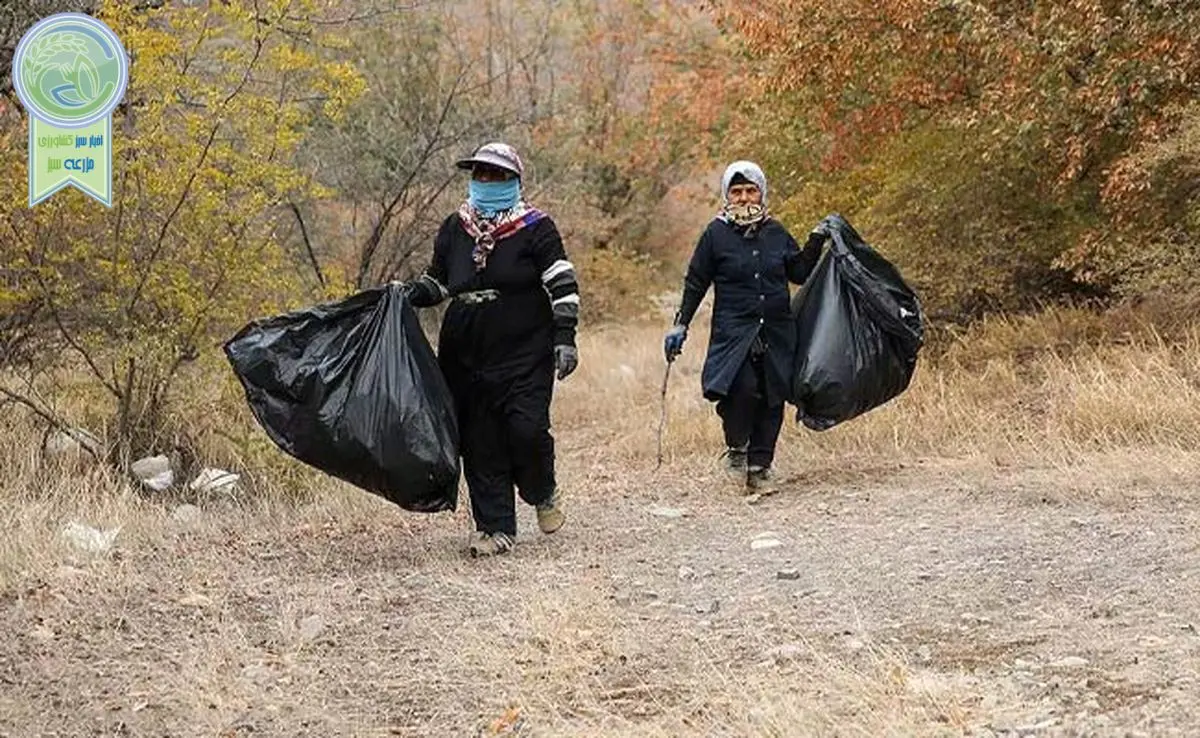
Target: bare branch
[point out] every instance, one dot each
(47, 293)
(160, 242)
(49, 417)
(381, 225)
(312, 257)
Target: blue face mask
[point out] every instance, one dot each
(492, 197)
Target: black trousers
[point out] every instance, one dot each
(505, 440)
(749, 421)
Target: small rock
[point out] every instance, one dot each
(924, 576)
(195, 600)
(788, 575)
(687, 573)
(1070, 662)
(150, 466)
(154, 472)
(90, 539)
(311, 627)
(185, 514)
(160, 482)
(42, 633)
(214, 480)
(855, 645)
(764, 541)
(708, 608)
(666, 512)
(257, 672)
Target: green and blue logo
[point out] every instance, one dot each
(70, 72)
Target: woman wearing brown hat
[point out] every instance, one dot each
(509, 327)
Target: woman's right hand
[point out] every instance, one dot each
(673, 344)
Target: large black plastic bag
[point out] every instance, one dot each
(353, 388)
(860, 328)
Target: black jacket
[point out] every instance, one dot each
(750, 278)
(536, 305)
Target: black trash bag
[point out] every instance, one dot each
(353, 388)
(859, 330)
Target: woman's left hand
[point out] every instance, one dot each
(566, 358)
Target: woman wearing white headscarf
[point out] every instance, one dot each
(748, 258)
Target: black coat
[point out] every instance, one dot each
(498, 341)
(749, 276)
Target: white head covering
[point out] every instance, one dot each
(750, 171)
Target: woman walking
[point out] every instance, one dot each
(509, 327)
(748, 258)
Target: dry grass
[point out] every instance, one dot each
(1044, 391)
(335, 614)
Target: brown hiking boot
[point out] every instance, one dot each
(490, 544)
(760, 481)
(550, 516)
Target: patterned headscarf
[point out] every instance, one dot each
(487, 231)
(747, 216)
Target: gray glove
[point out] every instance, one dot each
(566, 358)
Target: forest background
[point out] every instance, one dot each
(1031, 168)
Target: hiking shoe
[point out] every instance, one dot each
(490, 544)
(760, 480)
(550, 516)
(735, 463)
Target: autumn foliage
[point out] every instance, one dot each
(1041, 147)
(217, 103)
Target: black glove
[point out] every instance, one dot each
(823, 231)
(419, 292)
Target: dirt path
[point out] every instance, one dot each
(933, 599)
